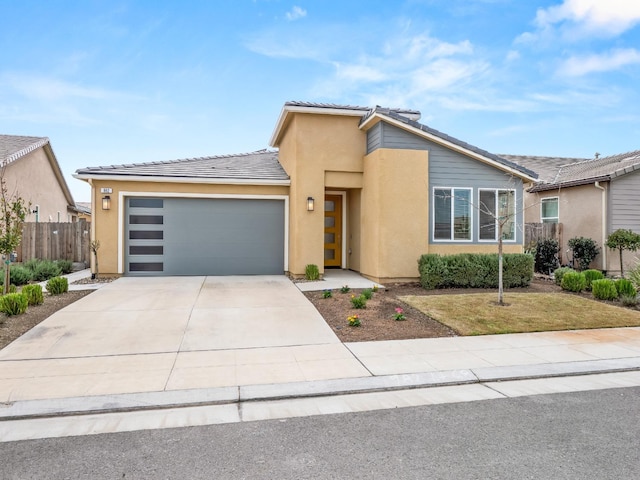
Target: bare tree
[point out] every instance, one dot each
(13, 212)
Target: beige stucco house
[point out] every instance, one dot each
(366, 189)
(589, 197)
(31, 170)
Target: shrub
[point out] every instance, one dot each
(559, 273)
(18, 274)
(57, 285)
(634, 274)
(13, 304)
(375, 288)
(367, 293)
(345, 289)
(546, 256)
(326, 293)
(591, 275)
(625, 287)
(13, 289)
(604, 289)
(33, 294)
(354, 321)
(358, 302)
(43, 270)
(65, 265)
(474, 270)
(629, 300)
(311, 272)
(584, 251)
(573, 281)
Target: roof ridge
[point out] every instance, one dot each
(41, 142)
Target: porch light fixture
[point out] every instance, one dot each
(310, 204)
(106, 202)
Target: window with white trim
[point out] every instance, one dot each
(549, 210)
(497, 206)
(452, 214)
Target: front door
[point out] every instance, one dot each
(333, 231)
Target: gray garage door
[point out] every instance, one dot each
(193, 236)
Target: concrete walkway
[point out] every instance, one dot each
(211, 350)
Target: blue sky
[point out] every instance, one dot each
(123, 81)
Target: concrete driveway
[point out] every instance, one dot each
(172, 333)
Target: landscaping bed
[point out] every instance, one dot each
(15, 326)
(377, 319)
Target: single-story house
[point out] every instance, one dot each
(32, 171)
(590, 197)
(366, 189)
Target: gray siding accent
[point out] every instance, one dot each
(210, 237)
(624, 204)
(374, 137)
(448, 168)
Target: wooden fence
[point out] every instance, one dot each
(56, 241)
(533, 232)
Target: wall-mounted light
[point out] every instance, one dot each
(310, 204)
(106, 202)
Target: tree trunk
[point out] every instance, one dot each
(7, 277)
(500, 288)
(621, 266)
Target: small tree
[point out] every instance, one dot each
(584, 250)
(623, 240)
(94, 246)
(13, 212)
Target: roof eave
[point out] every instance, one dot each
(543, 187)
(291, 109)
(376, 117)
(168, 179)
(58, 173)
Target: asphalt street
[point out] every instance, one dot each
(583, 435)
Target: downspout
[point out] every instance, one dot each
(604, 224)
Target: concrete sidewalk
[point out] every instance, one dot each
(199, 350)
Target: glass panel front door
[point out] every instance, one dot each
(333, 231)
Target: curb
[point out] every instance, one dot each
(131, 402)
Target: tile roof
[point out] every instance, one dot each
(496, 158)
(13, 147)
(566, 172)
(365, 110)
(261, 165)
(546, 167)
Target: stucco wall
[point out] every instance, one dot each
(395, 209)
(33, 179)
(580, 213)
(107, 228)
(311, 147)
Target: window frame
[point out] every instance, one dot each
(451, 238)
(515, 215)
(557, 218)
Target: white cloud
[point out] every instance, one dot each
(591, 17)
(296, 13)
(613, 60)
(512, 55)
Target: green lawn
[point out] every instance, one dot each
(479, 314)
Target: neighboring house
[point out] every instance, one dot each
(32, 172)
(590, 197)
(367, 189)
(84, 210)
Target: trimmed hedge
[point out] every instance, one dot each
(559, 273)
(13, 304)
(591, 275)
(474, 270)
(57, 285)
(573, 281)
(604, 289)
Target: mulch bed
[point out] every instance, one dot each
(377, 319)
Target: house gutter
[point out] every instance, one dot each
(604, 223)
